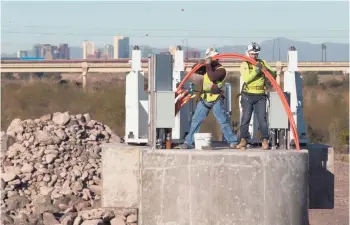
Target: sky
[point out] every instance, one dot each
(163, 23)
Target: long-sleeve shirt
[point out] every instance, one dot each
(249, 74)
(213, 73)
(254, 81)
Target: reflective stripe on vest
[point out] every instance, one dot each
(208, 86)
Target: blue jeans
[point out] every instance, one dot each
(256, 103)
(219, 112)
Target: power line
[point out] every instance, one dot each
(177, 29)
(165, 36)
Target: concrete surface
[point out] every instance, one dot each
(120, 176)
(180, 187)
(321, 176)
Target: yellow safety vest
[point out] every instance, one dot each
(210, 89)
(258, 85)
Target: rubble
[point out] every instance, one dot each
(51, 172)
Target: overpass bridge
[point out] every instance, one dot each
(123, 66)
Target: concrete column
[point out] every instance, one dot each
(278, 70)
(197, 187)
(85, 69)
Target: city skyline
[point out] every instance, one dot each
(119, 49)
(272, 49)
(171, 23)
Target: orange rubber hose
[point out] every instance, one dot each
(186, 78)
(179, 105)
(180, 102)
(269, 77)
(186, 100)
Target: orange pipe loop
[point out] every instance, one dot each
(267, 75)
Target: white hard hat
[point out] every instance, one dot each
(253, 48)
(210, 52)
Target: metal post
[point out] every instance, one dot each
(228, 106)
(151, 103)
(282, 139)
(273, 138)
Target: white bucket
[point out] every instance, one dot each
(202, 140)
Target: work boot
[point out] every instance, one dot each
(265, 144)
(242, 144)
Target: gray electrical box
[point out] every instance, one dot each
(163, 72)
(165, 109)
(278, 118)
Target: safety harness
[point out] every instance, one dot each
(215, 89)
(221, 95)
(245, 85)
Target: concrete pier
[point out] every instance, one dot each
(194, 187)
(321, 176)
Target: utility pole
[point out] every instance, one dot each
(187, 48)
(279, 50)
(324, 50)
(273, 50)
(183, 43)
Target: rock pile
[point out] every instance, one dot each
(51, 174)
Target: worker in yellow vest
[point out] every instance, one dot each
(211, 97)
(253, 96)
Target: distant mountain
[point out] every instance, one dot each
(271, 50)
(277, 49)
(306, 50)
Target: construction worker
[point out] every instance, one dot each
(253, 96)
(211, 97)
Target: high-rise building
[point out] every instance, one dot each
(37, 51)
(88, 49)
(63, 50)
(47, 51)
(56, 54)
(108, 51)
(21, 54)
(121, 47)
(192, 54)
(98, 53)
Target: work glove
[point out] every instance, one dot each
(258, 67)
(202, 69)
(208, 60)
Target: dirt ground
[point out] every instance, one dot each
(340, 214)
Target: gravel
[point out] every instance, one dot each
(51, 172)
